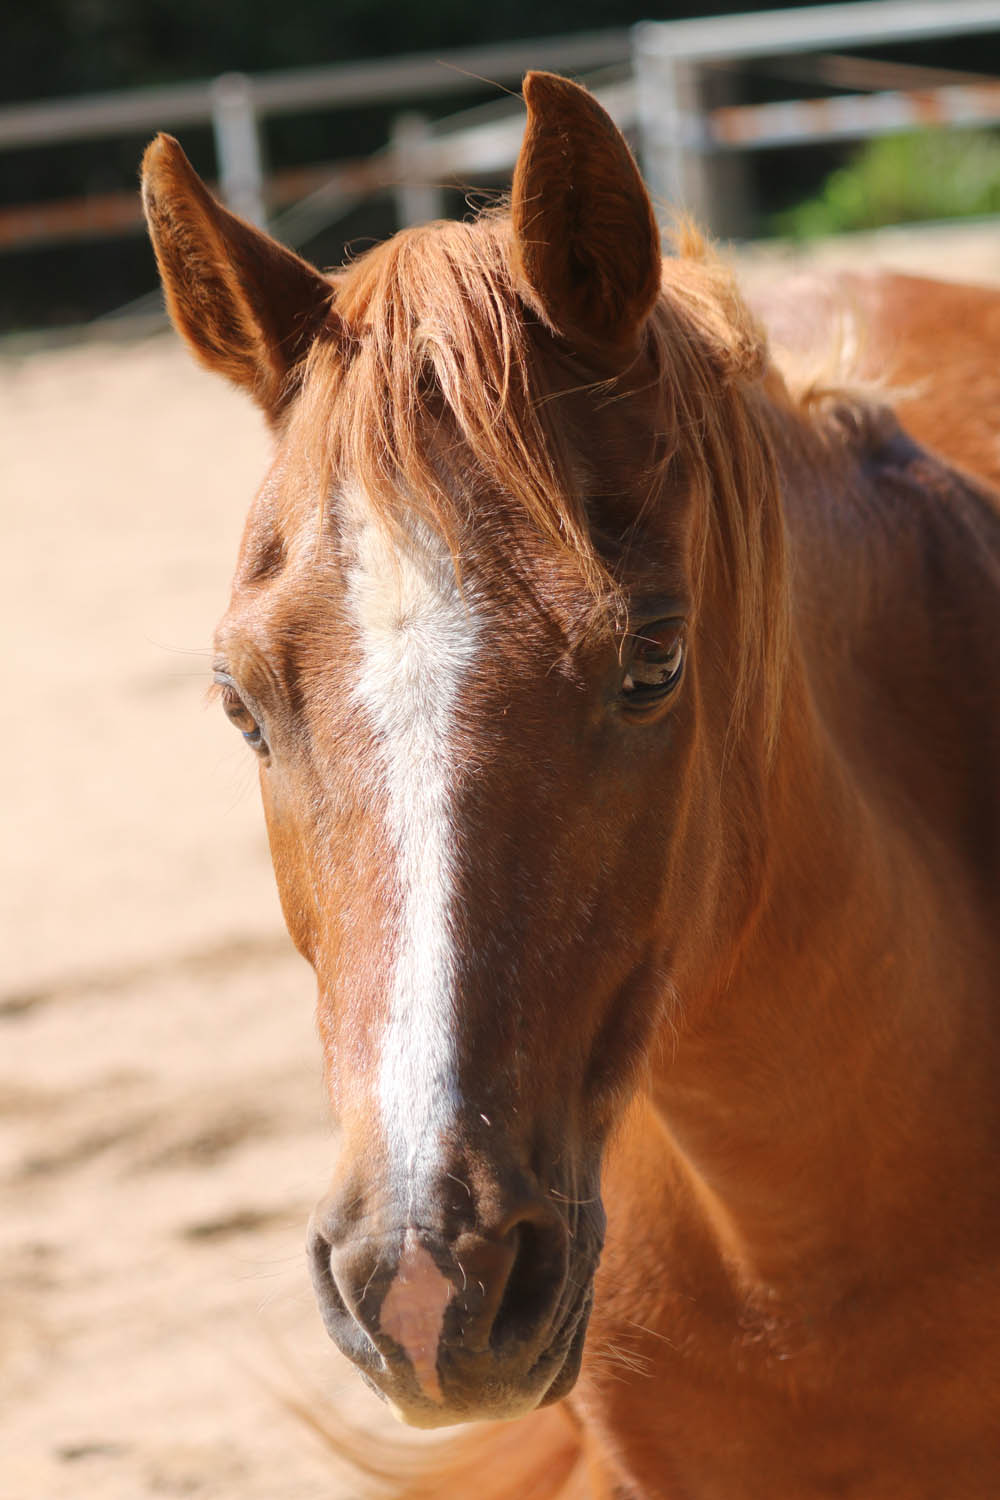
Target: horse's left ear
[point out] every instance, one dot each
(248, 307)
(585, 237)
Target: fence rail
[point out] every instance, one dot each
(691, 137)
(846, 117)
(689, 160)
(337, 86)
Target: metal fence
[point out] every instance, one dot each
(689, 140)
(670, 90)
(236, 106)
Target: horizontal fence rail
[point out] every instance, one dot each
(670, 84)
(796, 122)
(815, 28)
(338, 86)
(689, 147)
(416, 158)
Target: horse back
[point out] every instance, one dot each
(909, 562)
(930, 348)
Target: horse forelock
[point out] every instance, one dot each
(443, 371)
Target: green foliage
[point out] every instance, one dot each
(898, 179)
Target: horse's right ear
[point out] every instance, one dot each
(248, 307)
(586, 245)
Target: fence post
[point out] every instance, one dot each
(670, 138)
(237, 147)
(685, 172)
(417, 198)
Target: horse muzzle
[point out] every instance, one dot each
(485, 1321)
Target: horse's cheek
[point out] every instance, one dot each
(291, 867)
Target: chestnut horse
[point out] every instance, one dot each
(627, 727)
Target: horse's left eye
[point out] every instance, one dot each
(237, 713)
(656, 662)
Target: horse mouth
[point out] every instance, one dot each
(479, 1388)
(461, 1383)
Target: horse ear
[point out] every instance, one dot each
(248, 307)
(585, 237)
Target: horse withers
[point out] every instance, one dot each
(627, 728)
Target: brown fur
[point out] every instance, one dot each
(749, 951)
(541, 1457)
(586, 244)
(439, 312)
(248, 307)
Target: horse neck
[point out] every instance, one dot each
(839, 1068)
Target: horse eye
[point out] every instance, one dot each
(655, 663)
(237, 713)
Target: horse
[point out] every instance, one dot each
(626, 717)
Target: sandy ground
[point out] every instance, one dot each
(162, 1129)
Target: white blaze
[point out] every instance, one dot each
(417, 638)
(413, 1311)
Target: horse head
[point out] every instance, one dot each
(497, 615)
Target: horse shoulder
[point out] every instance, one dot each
(929, 348)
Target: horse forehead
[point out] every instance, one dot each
(405, 579)
(400, 575)
(389, 593)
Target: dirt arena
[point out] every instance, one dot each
(162, 1126)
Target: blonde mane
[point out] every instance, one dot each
(435, 345)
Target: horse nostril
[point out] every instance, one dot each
(344, 1282)
(321, 1272)
(534, 1283)
(432, 1304)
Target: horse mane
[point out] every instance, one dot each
(437, 359)
(538, 1457)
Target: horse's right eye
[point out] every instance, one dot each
(655, 663)
(237, 713)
